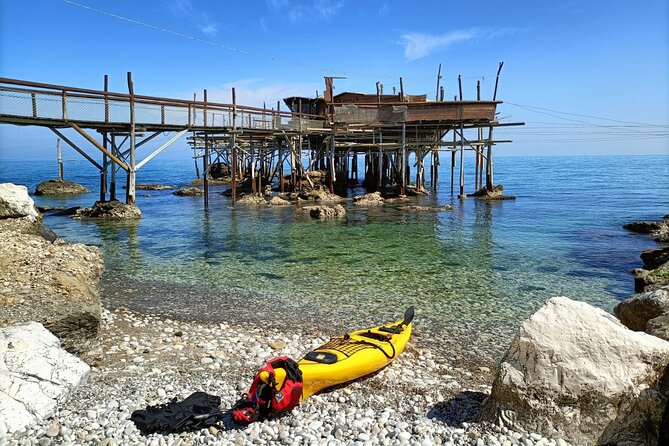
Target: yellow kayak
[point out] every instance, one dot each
(352, 356)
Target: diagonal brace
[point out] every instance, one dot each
(90, 139)
(161, 148)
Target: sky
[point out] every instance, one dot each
(587, 77)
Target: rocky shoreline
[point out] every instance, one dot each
(423, 398)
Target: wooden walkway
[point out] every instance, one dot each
(258, 141)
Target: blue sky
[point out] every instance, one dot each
(566, 64)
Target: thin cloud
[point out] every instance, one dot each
(418, 45)
(198, 17)
(317, 10)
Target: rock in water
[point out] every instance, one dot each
(373, 199)
(35, 374)
(638, 310)
(253, 200)
(659, 230)
(110, 210)
(326, 212)
(574, 371)
(278, 201)
(320, 195)
(59, 187)
(189, 192)
(15, 202)
(655, 258)
(153, 187)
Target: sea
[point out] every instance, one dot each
(473, 273)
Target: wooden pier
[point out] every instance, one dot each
(328, 134)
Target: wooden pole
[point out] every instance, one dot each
(478, 90)
(401, 90)
(112, 179)
(332, 162)
(105, 166)
(404, 160)
(379, 182)
(254, 190)
(106, 84)
(436, 98)
(453, 160)
(462, 161)
(354, 166)
(489, 180)
(130, 191)
(460, 85)
(435, 158)
(206, 161)
(234, 146)
(59, 155)
(298, 149)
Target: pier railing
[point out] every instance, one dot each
(44, 104)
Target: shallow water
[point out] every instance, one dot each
(473, 273)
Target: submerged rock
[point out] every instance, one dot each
(574, 371)
(427, 208)
(15, 202)
(326, 212)
(59, 187)
(277, 201)
(109, 210)
(495, 194)
(36, 375)
(373, 199)
(188, 192)
(252, 200)
(319, 195)
(153, 187)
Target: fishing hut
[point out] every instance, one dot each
(391, 135)
(321, 139)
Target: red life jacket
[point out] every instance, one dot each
(265, 398)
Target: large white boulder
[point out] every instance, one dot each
(35, 375)
(574, 371)
(15, 202)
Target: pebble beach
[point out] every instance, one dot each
(420, 399)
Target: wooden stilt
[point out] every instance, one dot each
(234, 146)
(112, 179)
(130, 191)
(404, 160)
(205, 168)
(452, 168)
(252, 168)
(59, 157)
(103, 171)
(281, 178)
(436, 169)
(379, 181)
(206, 162)
(332, 163)
(462, 162)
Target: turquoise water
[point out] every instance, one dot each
(473, 273)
